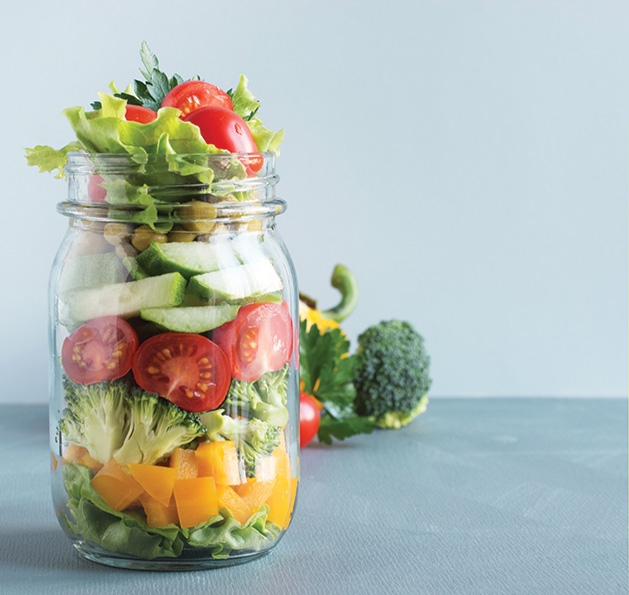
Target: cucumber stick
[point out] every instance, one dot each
(124, 299)
(91, 270)
(190, 319)
(237, 284)
(187, 258)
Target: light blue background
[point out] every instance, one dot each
(466, 159)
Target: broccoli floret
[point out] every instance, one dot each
(392, 378)
(118, 420)
(257, 414)
(254, 438)
(260, 441)
(156, 429)
(223, 427)
(96, 417)
(264, 399)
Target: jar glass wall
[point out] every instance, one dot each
(174, 361)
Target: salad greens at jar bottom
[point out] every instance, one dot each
(174, 373)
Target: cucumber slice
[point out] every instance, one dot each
(187, 258)
(123, 299)
(91, 270)
(193, 319)
(240, 284)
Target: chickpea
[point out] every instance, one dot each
(179, 234)
(198, 216)
(115, 233)
(144, 235)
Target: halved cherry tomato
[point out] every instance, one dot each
(192, 95)
(188, 370)
(94, 189)
(225, 129)
(309, 419)
(139, 113)
(258, 340)
(102, 349)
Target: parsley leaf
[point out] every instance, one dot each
(326, 372)
(157, 84)
(343, 428)
(149, 93)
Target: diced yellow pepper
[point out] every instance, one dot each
(184, 462)
(220, 461)
(195, 499)
(228, 498)
(81, 456)
(157, 481)
(282, 501)
(158, 515)
(116, 486)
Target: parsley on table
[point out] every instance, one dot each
(326, 372)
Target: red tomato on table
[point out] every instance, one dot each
(189, 370)
(101, 349)
(258, 340)
(309, 419)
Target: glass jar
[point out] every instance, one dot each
(175, 380)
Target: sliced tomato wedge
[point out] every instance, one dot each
(258, 340)
(102, 349)
(139, 113)
(192, 95)
(94, 189)
(189, 370)
(225, 129)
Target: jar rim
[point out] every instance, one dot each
(166, 183)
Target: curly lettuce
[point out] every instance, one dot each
(246, 106)
(121, 532)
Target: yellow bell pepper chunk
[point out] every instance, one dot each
(158, 515)
(157, 481)
(184, 462)
(196, 500)
(220, 461)
(116, 486)
(228, 498)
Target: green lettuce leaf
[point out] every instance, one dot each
(114, 531)
(223, 533)
(106, 131)
(48, 159)
(246, 106)
(266, 140)
(244, 101)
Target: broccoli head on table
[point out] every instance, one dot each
(393, 376)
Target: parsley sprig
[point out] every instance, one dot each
(150, 92)
(326, 372)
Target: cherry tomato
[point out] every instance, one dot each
(225, 129)
(192, 95)
(139, 113)
(94, 189)
(258, 340)
(188, 370)
(309, 419)
(102, 349)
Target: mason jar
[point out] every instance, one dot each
(174, 361)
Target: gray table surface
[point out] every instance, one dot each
(479, 496)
